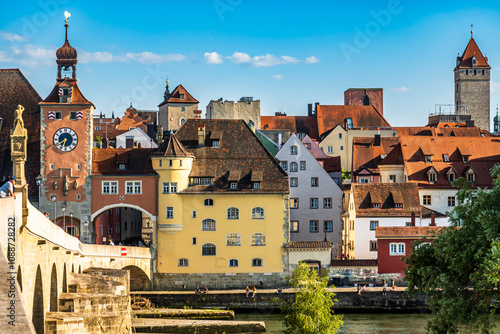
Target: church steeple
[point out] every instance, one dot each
(66, 54)
(167, 92)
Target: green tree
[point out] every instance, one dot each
(460, 270)
(312, 310)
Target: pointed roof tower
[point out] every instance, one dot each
(179, 95)
(472, 56)
(66, 54)
(172, 147)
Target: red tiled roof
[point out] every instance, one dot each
(395, 157)
(406, 231)
(175, 148)
(309, 244)
(440, 131)
(175, 96)
(470, 51)
(386, 194)
(329, 116)
(485, 153)
(105, 161)
(365, 155)
(15, 89)
(77, 97)
(295, 124)
(332, 164)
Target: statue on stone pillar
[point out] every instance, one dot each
(18, 139)
(66, 185)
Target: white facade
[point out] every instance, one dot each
(441, 200)
(315, 199)
(139, 136)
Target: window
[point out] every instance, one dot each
(170, 212)
(341, 148)
(373, 245)
(349, 123)
(233, 239)
(51, 166)
(471, 177)
(446, 158)
(327, 203)
(170, 163)
(160, 163)
(208, 250)
(392, 178)
(78, 197)
(373, 225)
(233, 263)
(428, 158)
(314, 203)
(451, 177)
(314, 182)
(426, 200)
(233, 185)
(451, 200)
(294, 203)
(233, 213)
(215, 144)
(376, 205)
(58, 115)
(432, 177)
(328, 226)
(110, 187)
(125, 227)
(398, 205)
(208, 225)
(302, 165)
(397, 248)
(200, 180)
(256, 262)
(340, 135)
(182, 120)
(97, 128)
(256, 185)
(329, 149)
(78, 166)
(194, 240)
(183, 263)
(313, 226)
(72, 115)
(293, 167)
(208, 202)
(169, 187)
(258, 239)
(133, 187)
(294, 182)
(284, 165)
(293, 150)
(181, 97)
(194, 213)
(257, 213)
(363, 180)
(294, 226)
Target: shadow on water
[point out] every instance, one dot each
(365, 323)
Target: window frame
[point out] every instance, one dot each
(208, 225)
(302, 165)
(134, 190)
(294, 223)
(313, 203)
(208, 200)
(294, 182)
(258, 212)
(327, 203)
(258, 239)
(294, 167)
(208, 248)
(328, 226)
(373, 245)
(314, 226)
(233, 213)
(452, 200)
(169, 214)
(257, 262)
(233, 239)
(397, 249)
(111, 185)
(426, 200)
(233, 263)
(314, 181)
(183, 262)
(373, 224)
(293, 150)
(294, 203)
(284, 165)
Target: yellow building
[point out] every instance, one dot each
(222, 208)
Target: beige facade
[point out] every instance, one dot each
(246, 108)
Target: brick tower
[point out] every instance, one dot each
(66, 148)
(472, 85)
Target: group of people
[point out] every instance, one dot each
(197, 290)
(254, 291)
(384, 288)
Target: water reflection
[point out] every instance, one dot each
(362, 323)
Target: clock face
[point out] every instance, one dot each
(65, 139)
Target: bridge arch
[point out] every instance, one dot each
(122, 205)
(53, 289)
(38, 309)
(139, 280)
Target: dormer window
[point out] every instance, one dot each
(348, 123)
(451, 177)
(398, 205)
(65, 95)
(215, 144)
(366, 100)
(471, 176)
(466, 159)
(122, 166)
(256, 185)
(428, 158)
(181, 96)
(432, 177)
(376, 205)
(446, 158)
(233, 185)
(474, 62)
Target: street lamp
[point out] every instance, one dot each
(38, 180)
(71, 217)
(54, 198)
(64, 217)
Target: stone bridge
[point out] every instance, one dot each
(41, 255)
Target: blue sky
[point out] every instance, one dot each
(285, 53)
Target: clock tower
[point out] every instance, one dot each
(66, 148)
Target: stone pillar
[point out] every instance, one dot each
(18, 141)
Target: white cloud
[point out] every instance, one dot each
(32, 55)
(4, 57)
(95, 57)
(277, 76)
(148, 58)
(213, 58)
(11, 37)
(268, 60)
(401, 89)
(495, 87)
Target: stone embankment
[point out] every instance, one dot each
(142, 325)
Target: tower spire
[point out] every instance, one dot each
(167, 91)
(471, 31)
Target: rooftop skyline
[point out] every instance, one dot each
(285, 54)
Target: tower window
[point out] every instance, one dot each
(475, 72)
(466, 72)
(483, 72)
(182, 97)
(366, 100)
(72, 115)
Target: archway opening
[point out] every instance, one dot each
(53, 289)
(139, 280)
(123, 225)
(38, 310)
(69, 224)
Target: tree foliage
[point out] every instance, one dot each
(460, 270)
(312, 311)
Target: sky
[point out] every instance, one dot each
(284, 53)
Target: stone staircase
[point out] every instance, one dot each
(97, 301)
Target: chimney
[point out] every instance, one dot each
(279, 140)
(201, 135)
(316, 108)
(433, 219)
(377, 140)
(197, 114)
(309, 109)
(413, 219)
(469, 123)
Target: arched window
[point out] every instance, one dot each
(258, 239)
(256, 262)
(233, 239)
(208, 225)
(208, 249)
(183, 263)
(293, 167)
(182, 121)
(233, 263)
(208, 202)
(257, 213)
(233, 213)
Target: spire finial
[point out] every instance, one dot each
(471, 31)
(67, 15)
(167, 90)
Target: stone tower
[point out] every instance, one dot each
(66, 148)
(177, 107)
(472, 85)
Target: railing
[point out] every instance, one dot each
(354, 263)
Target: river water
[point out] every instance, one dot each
(363, 323)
